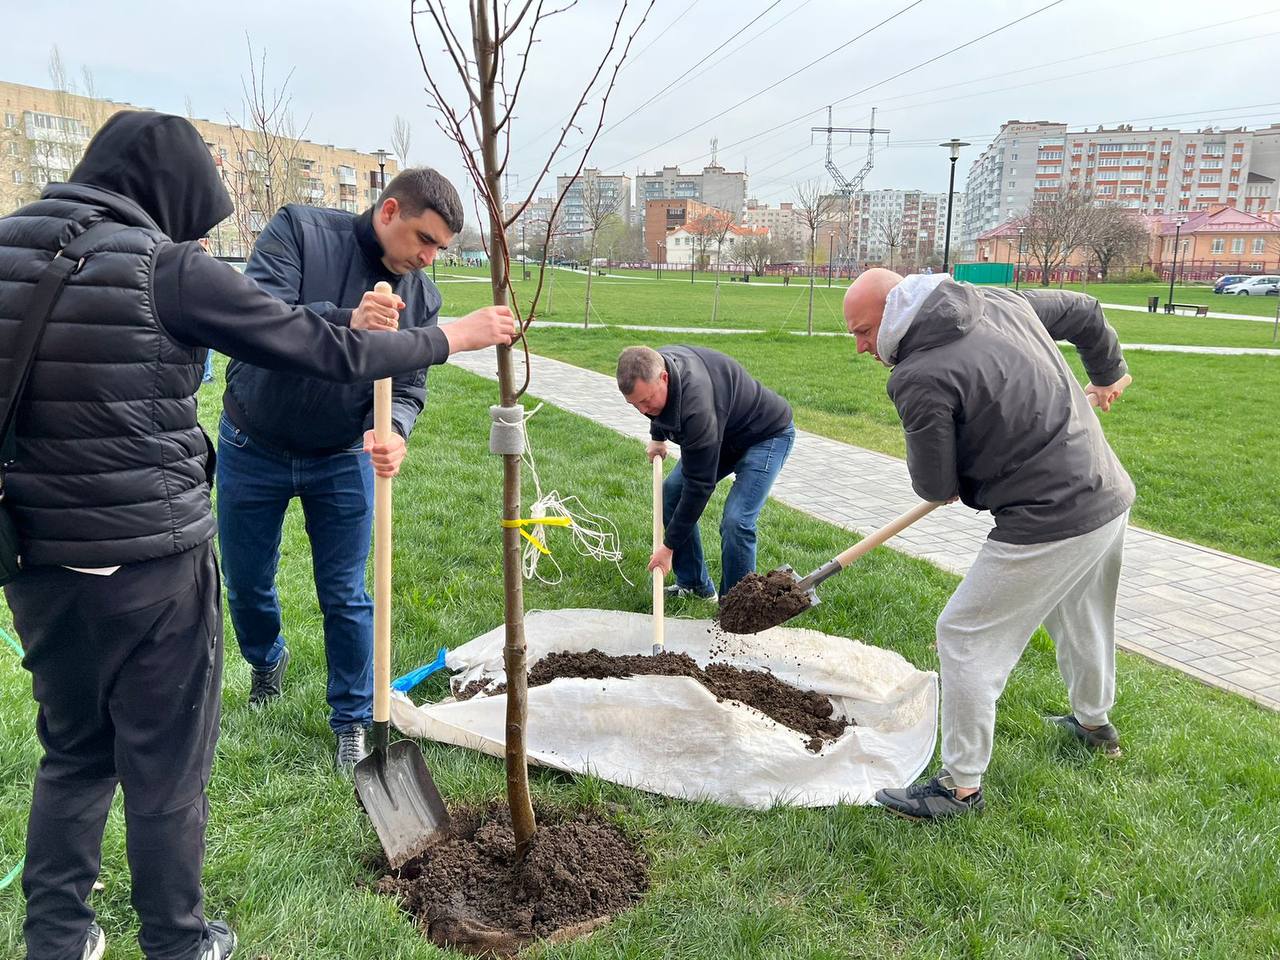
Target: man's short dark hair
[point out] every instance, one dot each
(422, 188)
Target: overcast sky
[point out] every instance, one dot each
(355, 67)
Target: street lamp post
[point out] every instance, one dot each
(1173, 272)
(831, 251)
(662, 250)
(382, 168)
(1017, 270)
(954, 146)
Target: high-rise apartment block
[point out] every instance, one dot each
(1151, 171)
(590, 195)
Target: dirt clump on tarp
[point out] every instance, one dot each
(805, 711)
(760, 601)
(468, 892)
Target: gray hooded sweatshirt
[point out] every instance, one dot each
(994, 415)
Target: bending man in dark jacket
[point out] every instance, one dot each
(725, 422)
(994, 417)
(285, 435)
(117, 605)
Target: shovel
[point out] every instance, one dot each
(393, 782)
(833, 566)
(659, 639)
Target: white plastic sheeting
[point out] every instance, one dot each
(669, 735)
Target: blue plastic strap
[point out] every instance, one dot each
(12, 642)
(414, 677)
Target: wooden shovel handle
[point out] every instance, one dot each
(890, 529)
(382, 553)
(659, 630)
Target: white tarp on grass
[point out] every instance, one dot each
(669, 735)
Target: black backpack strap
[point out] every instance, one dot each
(36, 316)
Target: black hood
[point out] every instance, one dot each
(161, 163)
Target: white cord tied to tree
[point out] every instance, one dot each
(593, 535)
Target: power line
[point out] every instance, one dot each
(794, 73)
(902, 73)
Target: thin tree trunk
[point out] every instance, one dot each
(522, 819)
(586, 313)
(812, 254)
(715, 302)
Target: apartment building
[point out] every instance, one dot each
(592, 189)
(44, 133)
(1152, 171)
(714, 186)
(781, 221)
(663, 217)
(902, 226)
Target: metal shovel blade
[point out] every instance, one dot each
(401, 799)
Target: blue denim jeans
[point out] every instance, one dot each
(753, 479)
(255, 484)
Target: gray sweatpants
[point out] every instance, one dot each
(1070, 587)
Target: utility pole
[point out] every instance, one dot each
(848, 187)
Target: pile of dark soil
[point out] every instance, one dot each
(805, 711)
(760, 601)
(469, 893)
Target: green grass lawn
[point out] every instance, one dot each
(637, 299)
(1171, 852)
(1199, 434)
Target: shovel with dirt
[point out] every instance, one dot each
(393, 782)
(759, 602)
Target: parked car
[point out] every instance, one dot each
(1254, 287)
(1225, 281)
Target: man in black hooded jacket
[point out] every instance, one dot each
(118, 603)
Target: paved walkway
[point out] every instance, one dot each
(1209, 614)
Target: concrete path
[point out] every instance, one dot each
(1209, 614)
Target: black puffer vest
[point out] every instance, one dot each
(111, 465)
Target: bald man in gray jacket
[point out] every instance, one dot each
(994, 417)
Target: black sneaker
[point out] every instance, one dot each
(267, 684)
(677, 592)
(1104, 739)
(94, 944)
(351, 750)
(931, 799)
(219, 941)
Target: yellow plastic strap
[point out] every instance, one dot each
(529, 521)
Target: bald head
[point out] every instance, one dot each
(864, 306)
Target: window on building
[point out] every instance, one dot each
(1109, 162)
(1210, 178)
(18, 177)
(13, 148)
(10, 120)
(1237, 245)
(1259, 244)
(1104, 190)
(1219, 245)
(1215, 149)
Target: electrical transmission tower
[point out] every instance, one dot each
(848, 187)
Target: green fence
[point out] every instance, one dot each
(984, 272)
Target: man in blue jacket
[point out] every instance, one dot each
(284, 436)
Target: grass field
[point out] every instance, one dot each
(637, 298)
(1171, 852)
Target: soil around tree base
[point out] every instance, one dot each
(469, 893)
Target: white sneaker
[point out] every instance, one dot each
(219, 942)
(95, 944)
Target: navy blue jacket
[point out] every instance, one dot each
(325, 260)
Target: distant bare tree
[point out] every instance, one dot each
(758, 251)
(401, 137)
(702, 233)
(1116, 236)
(268, 169)
(890, 231)
(813, 207)
(600, 202)
(1056, 228)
